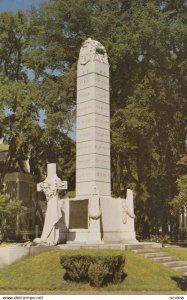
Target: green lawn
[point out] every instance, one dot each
(177, 251)
(44, 272)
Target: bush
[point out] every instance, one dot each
(106, 269)
(76, 267)
(97, 270)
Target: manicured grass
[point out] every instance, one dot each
(44, 272)
(177, 251)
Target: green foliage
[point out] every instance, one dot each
(179, 202)
(163, 239)
(97, 270)
(105, 270)
(70, 194)
(149, 123)
(76, 267)
(8, 209)
(26, 94)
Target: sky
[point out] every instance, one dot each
(14, 5)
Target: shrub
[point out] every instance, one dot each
(76, 267)
(97, 270)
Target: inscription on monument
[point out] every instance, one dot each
(102, 135)
(102, 122)
(93, 93)
(92, 79)
(85, 134)
(91, 174)
(78, 215)
(88, 134)
(93, 120)
(92, 106)
(93, 147)
(85, 148)
(93, 160)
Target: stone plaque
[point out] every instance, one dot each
(78, 214)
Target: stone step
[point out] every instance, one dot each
(164, 259)
(154, 254)
(176, 263)
(143, 245)
(146, 250)
(180, 269)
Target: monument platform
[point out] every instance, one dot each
(12, 254)
(110, 246)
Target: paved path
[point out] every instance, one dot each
(164, 258)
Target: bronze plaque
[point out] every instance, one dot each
(78, 214)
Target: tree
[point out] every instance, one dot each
(24, 95)
(8, 209)
(149, 131)
(179, 202)
(19, 122)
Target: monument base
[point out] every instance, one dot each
(77, 236)
(114, 225)
(83, 236)
(110, 246)
(12, 254)
(120, 237)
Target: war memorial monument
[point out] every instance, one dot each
(93, 216)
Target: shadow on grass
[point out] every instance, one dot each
(181, 282)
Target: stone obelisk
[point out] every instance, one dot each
(93, 121)
(93, 170)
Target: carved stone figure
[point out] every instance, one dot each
(127, 207)
(92, 50)
(50, 186)
(94, 214)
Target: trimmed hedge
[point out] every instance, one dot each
(97, 270)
